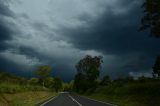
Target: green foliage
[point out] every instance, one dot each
(33, 81)
(29, 98)
(66, 87)
(49, 82)
(88, 70)
(156, 67)
(10, 78)
(78, 81)
(15, 88)
(142, 79)
(129, 78)
(90, 67)
(105, 80)
(43, 72)
(151, 19)
(57, 83)
(10, 83)
(132, 93)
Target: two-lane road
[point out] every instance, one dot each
(67, 99)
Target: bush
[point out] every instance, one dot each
(15, 88)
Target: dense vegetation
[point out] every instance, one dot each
(19, 91)
(125, 91)
(151, 18)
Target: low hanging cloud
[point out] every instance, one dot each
(59, 33)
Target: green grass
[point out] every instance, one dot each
(12, 94)
(29, 98)
(16, 88)
(129, 94)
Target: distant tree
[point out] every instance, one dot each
(105, 80)
(33, 81)
(57, 83)
(49, 82)
(151, 19)
(142, 78)
(12, 78)
(88, 70)
(71, 84)
(156, 67)
(90, 67)
(43, 72)
(129, 78)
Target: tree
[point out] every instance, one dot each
(57, 83)
(129, 78)
(43, 72)
(105, 80)
(88, 70)
(90, 67)
(151, 19)
(33, 81)
(156, 67)
(142, 78)
(49, 82)
(79, 82)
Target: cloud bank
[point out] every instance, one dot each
(60, 32)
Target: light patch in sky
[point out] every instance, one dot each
(19, 59)
(35, 9)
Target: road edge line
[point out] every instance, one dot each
(99, 101)
(52, 98)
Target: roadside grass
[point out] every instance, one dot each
(28, 98)
(12, 94)
(129, 94)
(16, 88)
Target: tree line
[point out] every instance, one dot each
(151, 21)
(88, 71)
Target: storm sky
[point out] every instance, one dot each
(61, 32)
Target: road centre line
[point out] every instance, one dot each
(74, 100)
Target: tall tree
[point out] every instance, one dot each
(57, 83)
(43, 72)
(156, 67)
(90, 67)
(151, 19)
(88, 70)
(79, 81)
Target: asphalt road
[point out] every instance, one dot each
(67, 99)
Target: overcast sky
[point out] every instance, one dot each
(61, 32)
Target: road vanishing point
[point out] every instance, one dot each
(69, 99)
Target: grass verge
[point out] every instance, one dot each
(128, 94)
(28, 98)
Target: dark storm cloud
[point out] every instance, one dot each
(113, 31)
(117, 34)
(4, 8)
(114, 34)
(6, 30)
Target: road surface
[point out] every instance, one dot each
(67, 99)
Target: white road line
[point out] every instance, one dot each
(49, 100)
(75, 100)
(99, 101)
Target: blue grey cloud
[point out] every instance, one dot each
(62, 32)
